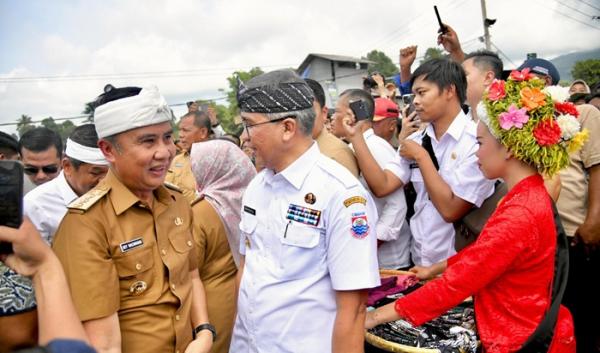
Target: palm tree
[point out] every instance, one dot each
(24, 124)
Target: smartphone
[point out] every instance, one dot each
(443, 29)
(204, 107)
(407, 100)
(359, 109)
(11, 196)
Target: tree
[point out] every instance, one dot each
(24, 124)
(432, 53)
(587, 70)
(89, 109)
(227, 118)
(383, 64)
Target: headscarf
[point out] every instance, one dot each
(278, 91)
(146, 108)
(222, 173)
(537, 127)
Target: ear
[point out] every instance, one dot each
(325, 110)
(108, 150)
(450, 92)
(67, 166)
(204, 133)
(290, 129)
(391, 124)
(489, 78)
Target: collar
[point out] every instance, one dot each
(122, 198)
(297, 172)
(368, 133)
(64, 189)
(455, 130)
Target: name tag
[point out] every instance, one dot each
(132, 244)
(249, 210)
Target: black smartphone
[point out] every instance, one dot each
(11, 198)
(407, 100)
(359, 109)
(443, 29)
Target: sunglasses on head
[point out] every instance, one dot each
(47, 169)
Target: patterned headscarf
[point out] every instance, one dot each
(222, 173)
(275, 92)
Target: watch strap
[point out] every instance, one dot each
(206, 326)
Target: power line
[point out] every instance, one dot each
(502, 53)
(567, 16)
(592, 6)
(572, 8)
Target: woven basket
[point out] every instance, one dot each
(393, 346)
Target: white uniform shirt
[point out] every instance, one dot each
(293, 267)
(432, 237)
(391, 227)
(46, 205)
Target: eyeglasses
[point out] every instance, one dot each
(47, 169)
(248, 126)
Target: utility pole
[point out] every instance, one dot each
(486, 24)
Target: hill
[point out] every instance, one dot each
(564, 63)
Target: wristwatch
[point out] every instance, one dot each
(209, 327)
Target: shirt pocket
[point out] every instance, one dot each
(136, 272)
(180, 266)
(303, 251)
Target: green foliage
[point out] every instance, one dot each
(233, 87)
(24, 124)
(432, 53)
(383, 64)
(89, 110)
(587, 70)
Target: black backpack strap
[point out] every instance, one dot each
(541, 338)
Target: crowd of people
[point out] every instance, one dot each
(139, 239)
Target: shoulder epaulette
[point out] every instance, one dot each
(88, 199)
(173, 187)
(196, 200)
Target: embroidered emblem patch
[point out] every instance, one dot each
(360, 225)
(303, 215)
(132, 244)
(310, 198)
(354, 199)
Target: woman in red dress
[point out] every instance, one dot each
(509, 270)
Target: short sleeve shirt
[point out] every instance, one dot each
(433, 238)
(573, 201)
(180, 174)
(307, 232)
(122, 256)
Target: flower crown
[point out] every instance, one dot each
(534, 122)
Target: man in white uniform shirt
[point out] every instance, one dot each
(307, 232)
(446, 191)
(82, 168)
(393, 234)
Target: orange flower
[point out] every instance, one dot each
(532, 98)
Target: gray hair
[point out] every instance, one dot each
(305, 119)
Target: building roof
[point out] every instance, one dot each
(331, 57)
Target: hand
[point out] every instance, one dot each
(202, 343)
(423, 273)
(411, 150)
(378, 79)
(212, 115)
(408, 56)
(30, 251)
(449, 40)
(410, 124)
(349, 124)
(589, 235)
(371, 319)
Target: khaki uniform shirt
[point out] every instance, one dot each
(180, 174)
(337, 150)
(217, 270)
(121, 256)
(573, 201)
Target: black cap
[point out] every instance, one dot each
(7, 141)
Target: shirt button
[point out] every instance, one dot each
(177, 317)
(189, 243)
(138, 266)
(163, 251)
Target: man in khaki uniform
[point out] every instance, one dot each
(329, 145)
(193, 127)
(126, 245)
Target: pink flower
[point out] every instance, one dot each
(497, 90)
(513, 117)
(522, 75)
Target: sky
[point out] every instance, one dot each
(189, 47)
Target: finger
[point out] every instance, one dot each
(413, 270)
(8, 234)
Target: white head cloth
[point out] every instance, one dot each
(485, 119)
(85, 154)
(147, 108)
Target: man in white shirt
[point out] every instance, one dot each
(393, 234)
(446, 191)
(308, 242)
(82, 168)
